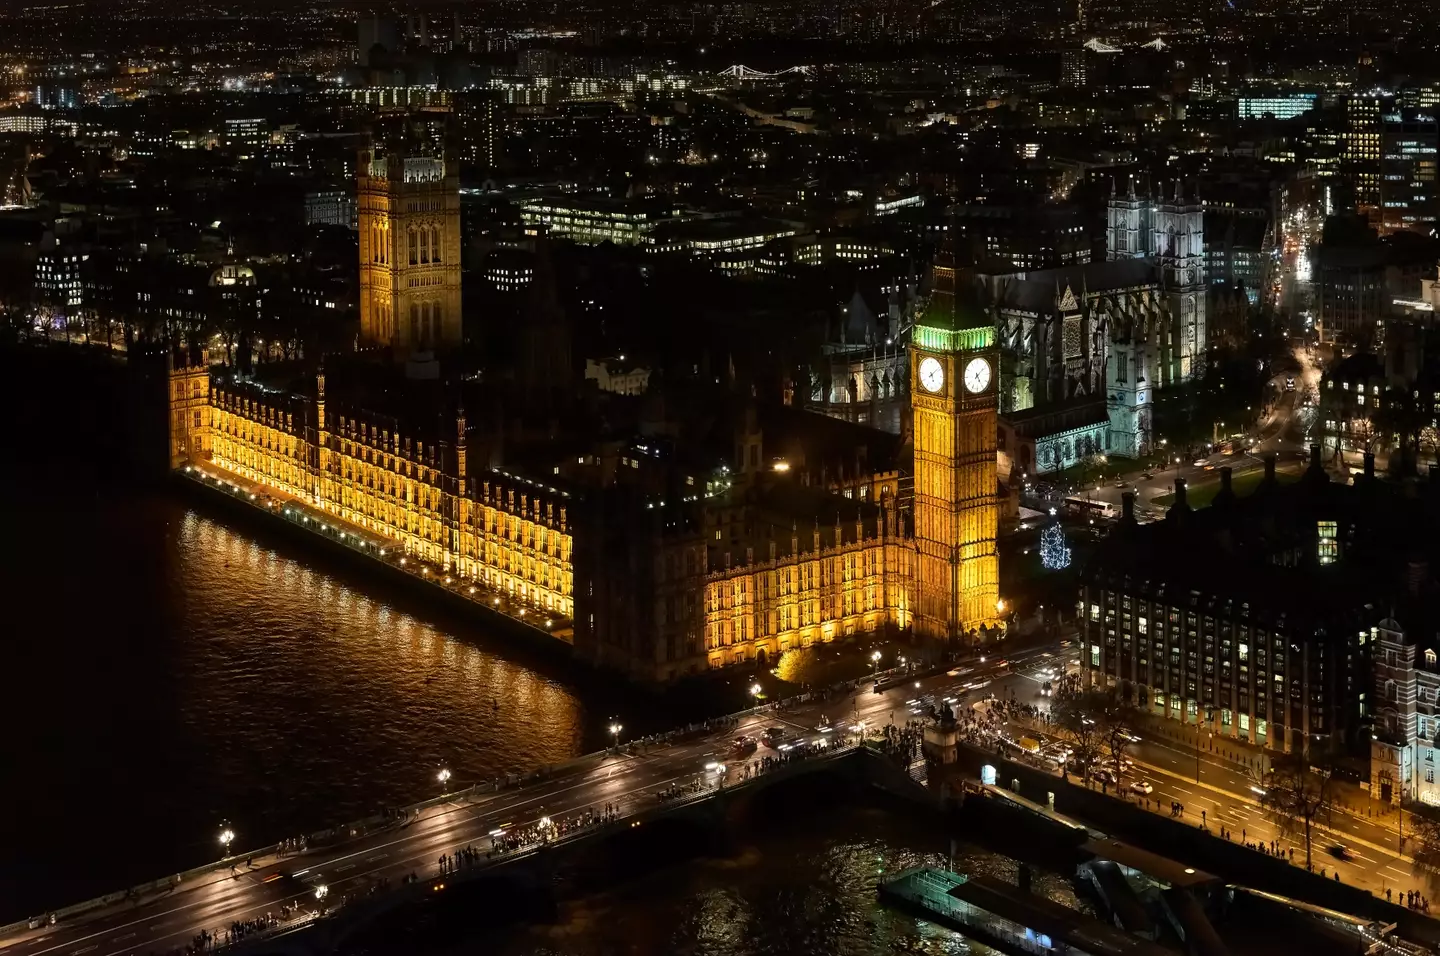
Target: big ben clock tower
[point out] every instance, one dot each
(954, 378)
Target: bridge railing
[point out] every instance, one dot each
(634, 806)
(175, 881)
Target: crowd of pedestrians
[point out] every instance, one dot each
(1414, 900)
(537, 833)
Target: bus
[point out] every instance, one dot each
(1085, 506)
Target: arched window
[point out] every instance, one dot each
(1390, 690)
(1430, 659)
(414, 247)
(435, 244)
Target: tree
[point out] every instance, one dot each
(1424, 835)
(1428, 440)
(1297, 792)
(1074, 708)
(1118, 717)
(1054, 552)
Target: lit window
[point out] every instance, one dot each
(1327, 548)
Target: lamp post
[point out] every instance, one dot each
(444, 777)
(1404, 792)
(755, 691)
(227, 837)
(875, 664)
(615, 729)
(1209, 716)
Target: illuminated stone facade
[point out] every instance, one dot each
(955, 371)
(653, 584)
(408, 193)
(839, 581)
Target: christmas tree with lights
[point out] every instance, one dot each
(1054, 552)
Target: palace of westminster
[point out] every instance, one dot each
(666, 533)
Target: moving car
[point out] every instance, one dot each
(1340, 851)
(1142, 786)
(743, 745)
(773, 736)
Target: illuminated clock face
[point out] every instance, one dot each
(977, 375)
(932, 374)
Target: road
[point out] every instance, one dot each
(1282, 432)
(632, 781)
(1219, 794)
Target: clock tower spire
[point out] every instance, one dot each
(953, 388)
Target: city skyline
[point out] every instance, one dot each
(623, 458)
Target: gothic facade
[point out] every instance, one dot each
(863, 373)
(1084, 348)
(651, 579)
(408, 198)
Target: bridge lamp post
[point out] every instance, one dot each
(615, 729)
(444, 777)
(875, 663)
(755, 691)
(227, 837)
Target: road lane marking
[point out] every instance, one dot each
(126, 936)
(438, 825)
(378, 856)
(429, 831)
(347, 866)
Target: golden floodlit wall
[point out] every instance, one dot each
(760, 610)
(513, 537)
(516, 537)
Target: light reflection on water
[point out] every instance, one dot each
(203, 673)
(806, 888)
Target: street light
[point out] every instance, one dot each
(875, 663)
(615, 729)
(227, 837)
(321, 891)
(443, 776)
(755, 690)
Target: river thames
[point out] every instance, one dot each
(169, 669)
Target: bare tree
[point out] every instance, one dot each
(1425, 835)
(1118, 718)
(1428, 440)
(1297, 793)
(1075, 709)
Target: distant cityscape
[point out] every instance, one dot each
(691, 340)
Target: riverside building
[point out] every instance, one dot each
(1257, 618)
(767, 528)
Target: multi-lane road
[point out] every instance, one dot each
(1218, 793)
(213, 902)
(632, 781)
